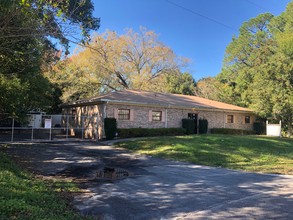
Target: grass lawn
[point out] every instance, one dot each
(249, 153)
(24, 197)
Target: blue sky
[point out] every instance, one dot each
(201, 38)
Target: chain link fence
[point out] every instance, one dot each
(40, 127)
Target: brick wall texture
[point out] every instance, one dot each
(173, 117)
(141, 118)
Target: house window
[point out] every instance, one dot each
(230, 118)
(123, 114)
(247, 119)
(156, 116)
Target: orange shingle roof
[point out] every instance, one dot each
(160, 99)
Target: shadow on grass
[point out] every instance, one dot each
(163, 188)
(25, 197)
(252, 153)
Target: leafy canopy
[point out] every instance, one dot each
(29, 30)
(136, 60)
(258, 67)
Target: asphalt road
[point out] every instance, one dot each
(156, 188)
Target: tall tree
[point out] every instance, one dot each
(69, 20)
(258, 67)
(210, 88)
(132, 60)
(244, 55)
(278, 72)
(75, 80)
(27, 30)
(180, 83)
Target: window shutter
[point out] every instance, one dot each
(163, 116)
(116, 113)
(131, 114)
(150, 115)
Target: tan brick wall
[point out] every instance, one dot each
(141, 118)
(175, 116)
(219, 120)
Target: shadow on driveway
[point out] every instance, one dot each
(158, 189)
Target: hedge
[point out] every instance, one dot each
(188, 125)
(110, 125)
(259, 127)
(203, 126)
(231, 131)
(149, 132)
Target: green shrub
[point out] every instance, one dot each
(110, 125)
(203, 126)
(189, 125)
(149, 132)
(231, 131)
(259, 127)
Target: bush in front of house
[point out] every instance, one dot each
(203, 126)
(149, 132)
(259, 127)
(231, 131)
(188, 125)
(110, 125)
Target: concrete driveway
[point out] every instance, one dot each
(158, 189)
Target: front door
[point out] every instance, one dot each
(193, 116)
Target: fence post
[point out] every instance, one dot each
(12, 129)
(280, 129)
(50, 137)
(96, 129)
(82, 129)
(32, 137)
(67, 126)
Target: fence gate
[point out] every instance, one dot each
(274, 129)
(36, 127)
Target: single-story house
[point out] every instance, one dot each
(144, 109)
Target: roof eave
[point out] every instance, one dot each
(119, 102)
(76, 104)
